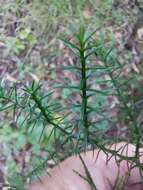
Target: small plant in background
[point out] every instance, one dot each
(81, 124)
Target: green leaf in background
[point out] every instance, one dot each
(66, 93)
(14, 45)
(31, 39)
(23, 34)
(103, 125)
(19, 45)
(16, 181)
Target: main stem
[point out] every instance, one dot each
(84, 89)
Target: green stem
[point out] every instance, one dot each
(84, 114)
(44, 113)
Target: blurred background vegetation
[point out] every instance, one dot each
(31, 50)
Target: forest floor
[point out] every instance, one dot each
(34, 52)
